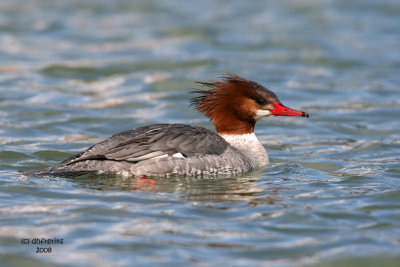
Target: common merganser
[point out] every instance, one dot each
(234, 105)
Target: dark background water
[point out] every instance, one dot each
(74, 72)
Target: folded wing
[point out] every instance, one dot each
(159, 140)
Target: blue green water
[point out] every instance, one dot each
(72, 73)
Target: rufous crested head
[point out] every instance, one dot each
(235, 104)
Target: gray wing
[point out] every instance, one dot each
(153, 141)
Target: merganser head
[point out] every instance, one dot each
(235, 104)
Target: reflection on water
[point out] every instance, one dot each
(203, 188)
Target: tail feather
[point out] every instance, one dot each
(54, 171)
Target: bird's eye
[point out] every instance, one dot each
(260, 101)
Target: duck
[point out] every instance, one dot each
(233, 104)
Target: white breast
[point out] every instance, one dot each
(250, 146)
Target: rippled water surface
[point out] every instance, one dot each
(74, 72)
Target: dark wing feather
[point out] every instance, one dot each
(151, 141)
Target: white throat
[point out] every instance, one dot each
(250, 146)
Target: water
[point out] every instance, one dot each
(73, 73)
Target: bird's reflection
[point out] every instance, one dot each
(222, 188)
